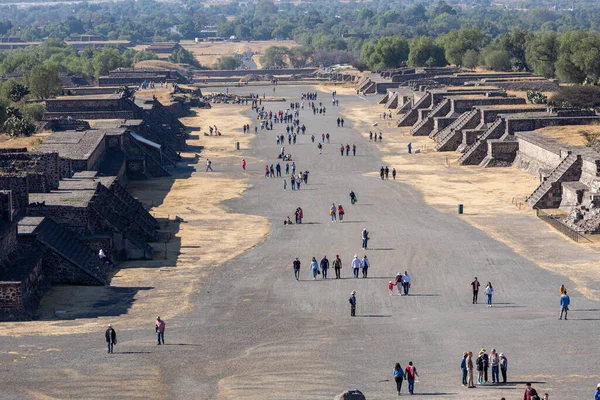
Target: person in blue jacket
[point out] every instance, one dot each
(463, 367)
(597, 396)
(398, 377)
(565, 300)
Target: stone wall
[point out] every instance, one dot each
(37, 183)
(536, 154)
(18, 185)
(75, 218)
(65, 168)
(62, 271)
(8, 244)
(78, 105)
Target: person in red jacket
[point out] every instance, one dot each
(530, 393)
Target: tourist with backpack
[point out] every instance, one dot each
(111, 338)
(565, 300)
(337, 266)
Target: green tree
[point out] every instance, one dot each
(106, 60)
(388, 52)
(274, 56)
(497, 59)
(17, 92)
(542, 52)
(470, 59)
(227, 63)
(425, 52)
(43, 82)
(183, 56)
(458, 42)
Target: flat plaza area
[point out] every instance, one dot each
(253, 332)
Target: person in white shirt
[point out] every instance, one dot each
(406, 282)
(489, 291)
(356, 264)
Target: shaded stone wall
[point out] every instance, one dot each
(37, 183)
(65, 168)
(17, 184)
(8, 244)
(74, 218)
(62, 271)
(77, 105)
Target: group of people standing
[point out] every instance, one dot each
(489, 291)
(498, 363)
(322, 268)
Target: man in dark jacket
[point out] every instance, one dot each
(324, 266)
(296, 264)
(111, 338)
(352, 301)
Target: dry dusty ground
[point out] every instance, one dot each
(210, 236)
(488, 195)
(208, 53)
(29, 142)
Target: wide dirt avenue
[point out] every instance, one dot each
(257, 333)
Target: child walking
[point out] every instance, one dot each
(391, 288)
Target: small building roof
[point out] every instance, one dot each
(73, 145)
(74, 192)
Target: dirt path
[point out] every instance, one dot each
(210, 236)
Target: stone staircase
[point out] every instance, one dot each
(116, 214)
(475, 153)
(137, 210)
(550, 190)
(65, 243)
(392, 101)
(412, 116)
(384, 99)
(449, 138)
(425, 126)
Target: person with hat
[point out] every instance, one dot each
(503, 366)
(479, 363)
(597, 396)
(352, 301)
(111, 338)
(159, 327)
(398, 283)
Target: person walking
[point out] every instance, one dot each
(398, 377)
(391, 287)
(503, 366)
(387, 172)
(353, 198)
(159, 328)
(293, 167)
(327, 138)
(470, 383)
(530, 393)
(356, 264)
(266, 171)
(495, 363)
(296, 264)
(382, 172)
(243, 164)
(278, 170)
(333, 212)
(284, 184)
(353, 149)
(342, 150)
(324, 266)
(565, 300)
(409, 146)
(463, 367)
(209, 165)
(411, 374)
(406, 282)
(489, 292)
(398, 283)
(337, 266)
(314, 267)
(347, 149)
(563, 289)
(320, 147)
(293, 182)
(341, 212)
(365, 238)
(287, 168)
(475, 287)
(352, 301)
(365, 266)
(111, 338)
(394, 173)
